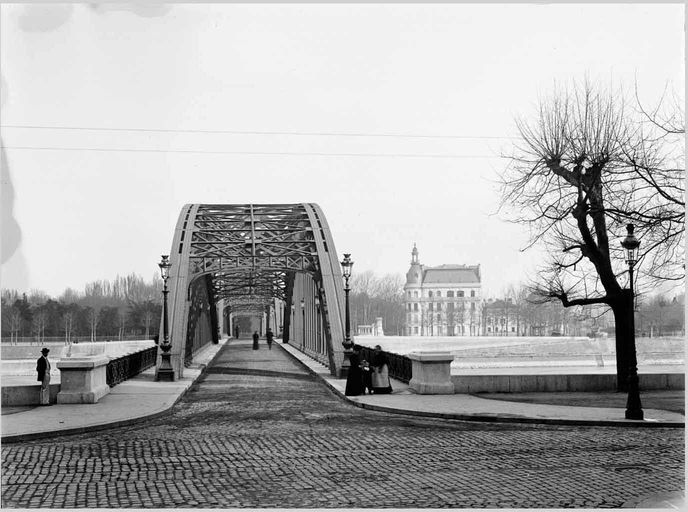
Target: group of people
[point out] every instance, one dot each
(371, 376)
(269, 337)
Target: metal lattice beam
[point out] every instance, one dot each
(248, 253)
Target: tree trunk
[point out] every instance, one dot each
(622, 317)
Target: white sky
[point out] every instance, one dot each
(393, 69)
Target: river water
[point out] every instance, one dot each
(475, 352)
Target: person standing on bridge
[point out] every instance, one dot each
(269, 338)
(236, 331)
(380, 375)
(256, 337)
(43, 369)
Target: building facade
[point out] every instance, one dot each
(443, 300)
(501, 318)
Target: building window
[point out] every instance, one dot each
(415, 306)
(513, 329)
(450, 294)
(439, 318)
(430, 306)
(489, 329)
(430, 293)
(439, 306)
(439, 294)
(459, 293)
(472, 306)
(415, 294)
(472, 293)
(415, 330)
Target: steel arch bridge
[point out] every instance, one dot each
(273, 261)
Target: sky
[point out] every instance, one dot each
(394, 118)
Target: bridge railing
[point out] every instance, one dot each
(399, 366)
(128, 366)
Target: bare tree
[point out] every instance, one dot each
(121, 322)
(586, 167)
(68, 324)
(15, 324)
(40, 319)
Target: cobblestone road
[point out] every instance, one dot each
(280, 439)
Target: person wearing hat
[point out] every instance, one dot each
(43, 369)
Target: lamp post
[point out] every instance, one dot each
(165, 370)
(303, 322)
(317, 324)
(634, 410)
(346, 273)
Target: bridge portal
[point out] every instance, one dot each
(257, 265)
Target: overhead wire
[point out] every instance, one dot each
(275, 153)
(256, 132)
(252, 132)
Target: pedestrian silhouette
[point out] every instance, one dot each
(354, 381)
(43, 369)
(256, 337)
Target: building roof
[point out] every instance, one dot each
(452, 274)
(499, 304)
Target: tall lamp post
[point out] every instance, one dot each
(317, 324)
(303, 323)
(347, 343)
(634, 409)
(165, 370)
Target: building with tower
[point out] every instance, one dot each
(443, 300)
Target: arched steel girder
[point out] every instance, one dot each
(249, 255)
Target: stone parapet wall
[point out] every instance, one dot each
(26, 394)
(549, 383)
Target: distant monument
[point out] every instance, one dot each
(373, 329)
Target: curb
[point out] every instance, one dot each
(496, 418)
(18, 438)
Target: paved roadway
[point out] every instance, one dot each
(258, 431)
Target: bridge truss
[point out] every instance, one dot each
(251, 258)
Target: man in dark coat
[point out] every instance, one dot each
(269, 337)
(43, 369)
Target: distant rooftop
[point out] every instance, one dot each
(452, 274)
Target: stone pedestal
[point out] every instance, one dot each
(430, 373)
(83, 380)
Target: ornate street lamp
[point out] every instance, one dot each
(634, 409)
(347, 343)
(165, 370)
